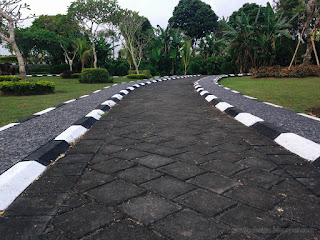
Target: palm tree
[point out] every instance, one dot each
(186, 53)
(85, 50)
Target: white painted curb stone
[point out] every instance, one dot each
(204, 92)
(15, 180)
(44, 111)
(308, 116)
(210, 98)
(8, 126)
(70, 101)
(72, 134)
(248, 119)
(301, 146)
(124, 92)
(222, 106)
(117, 96)
(110, 103)
(97, 114)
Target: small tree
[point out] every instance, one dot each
(10, 12)
(135, 39)
(186, 53)
(92, 15)
(85, 52)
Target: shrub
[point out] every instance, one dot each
(280, 72)
(141, 72)
(27, 88)
(121, 70)
(67, 74)
(56, 69)
(227, 67)
(194, 68)
(152, 70)
(75, 75)
(95, 75)
(210, 68)
(139, 76)
(10, 78)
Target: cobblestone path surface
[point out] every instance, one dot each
(164, 164)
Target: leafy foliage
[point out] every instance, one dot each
(10, 78)
(139, 76)
(95, 75)
(280, 72)
(27, 88)
(194, 17)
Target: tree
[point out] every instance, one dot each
(66, 32)
(135, 39)
(93, 14)
(194, 17)
(10, 12)
(84, 50)
(186, 53)
(251, 10)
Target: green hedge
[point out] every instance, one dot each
(139, 76)
(130, 72)
(10, 78)
(95, 75)
(27, 88)
(285, 72)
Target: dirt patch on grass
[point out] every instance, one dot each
(314, 111)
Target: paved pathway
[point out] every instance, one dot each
(164, 164)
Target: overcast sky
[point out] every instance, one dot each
(157, 11)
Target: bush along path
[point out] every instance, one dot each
(165, 164)
(299, 133)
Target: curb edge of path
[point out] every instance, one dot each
(17, 178)
(294, 143)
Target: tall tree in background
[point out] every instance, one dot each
(92, 15)
(65, 30)
(194, 17)
(135, 39)
(251, 11)
(10, 12)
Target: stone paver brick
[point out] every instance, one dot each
(154, 161)
(148, 209)
(301, 211)
(78, 222)
(112, 166)
(91, 179)
(213, 182)
(222, 167)
(139, 174)
(124, 230)
(192, 158)
(115, 192)
(18, 228)
(247, 220)
(258, 177)
(181, 170)
(206, 202)
(255, 197)
(168, 187)
(188, 224)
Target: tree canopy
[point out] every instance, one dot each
(194, 17)
(251, 10)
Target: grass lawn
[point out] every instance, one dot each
(14, 108)
(298, 94)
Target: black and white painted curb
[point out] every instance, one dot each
(16, 179)
(296, 144)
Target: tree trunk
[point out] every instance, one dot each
(307, 56)
(22, 68)
(315, 52)
(297, 48)
(95, 62)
